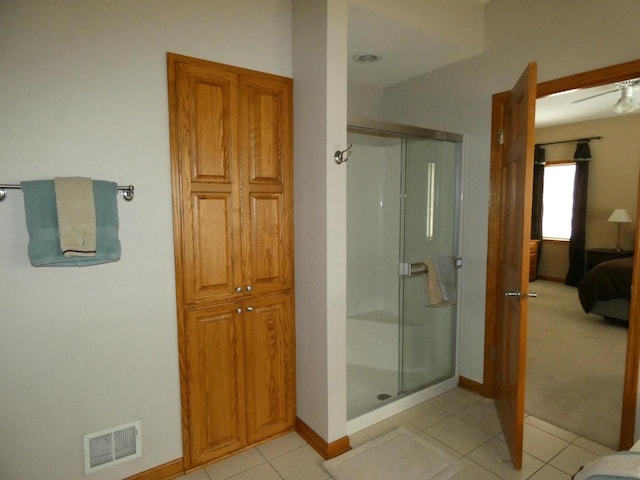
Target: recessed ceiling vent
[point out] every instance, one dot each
(112, 446)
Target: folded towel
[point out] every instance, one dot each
(621, 465)
(42, 225)
(76, 216)
(440, 281)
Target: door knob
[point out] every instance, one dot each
(518, 294)
(249, 309)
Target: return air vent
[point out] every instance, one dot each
(112, 446)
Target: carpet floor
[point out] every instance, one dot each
(575, 365)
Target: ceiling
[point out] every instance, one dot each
(414, 37)
(560, 108)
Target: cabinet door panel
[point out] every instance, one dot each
(210, 247)
(216, 382)
(270, 366)
(265, 105)
(206, 101)
(267, 243)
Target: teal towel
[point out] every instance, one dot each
(42, 224)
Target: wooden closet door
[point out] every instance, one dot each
(216, 369)
(266, 159)
(269, 338)
(208, 180)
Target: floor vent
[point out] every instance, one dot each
(112, 446)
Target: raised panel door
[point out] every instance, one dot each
(266, 152)
(208, 178)
(269, 338)
(214, 338)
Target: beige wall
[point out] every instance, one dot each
(613, 182)
(83, 88)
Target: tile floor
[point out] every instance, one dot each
(463, 424)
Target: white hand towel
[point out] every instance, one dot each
(76, 216)
(440, 281)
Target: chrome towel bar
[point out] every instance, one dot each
(126, 192)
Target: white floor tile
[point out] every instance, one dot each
(301, 464)
(541, 444)
(483, 416)
(195, 475)
(380, 428)
(552, 429)
(455, 400)
(572, 458)
(261, 472)
(458, 435)
(281, 445)
(494, 456)
(235, 464)
(550, 473)
(594, 447)
(473, 471)
(462, 424)
(423, 415)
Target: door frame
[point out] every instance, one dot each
(587, 79)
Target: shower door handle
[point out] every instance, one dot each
(410, 269)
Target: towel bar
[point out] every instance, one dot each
(126, 192)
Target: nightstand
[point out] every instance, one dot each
(594, 256)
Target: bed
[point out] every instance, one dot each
(606, 289)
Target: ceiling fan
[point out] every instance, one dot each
(626, 103)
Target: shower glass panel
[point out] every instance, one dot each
(428, 333)
(402, 207)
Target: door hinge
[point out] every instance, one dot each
(493, 353)
(501, 137)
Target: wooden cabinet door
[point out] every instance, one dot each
(269, 338)
(231, 149)
(266, 160)
(215, 364)
(204, 111)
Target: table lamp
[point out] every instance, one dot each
(619, 215)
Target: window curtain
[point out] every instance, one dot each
(539, 161)
(582, 156)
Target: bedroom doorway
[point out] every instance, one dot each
(629, 402)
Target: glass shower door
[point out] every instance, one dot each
(429, 234)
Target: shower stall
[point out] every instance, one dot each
(403, 199)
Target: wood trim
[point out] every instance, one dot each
(166, 471)
(630, 391)
(591, 78)
(492, 307)
(472, 386)
(315, 441)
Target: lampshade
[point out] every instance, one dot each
(620, 215)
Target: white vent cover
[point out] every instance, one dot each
(112, 446)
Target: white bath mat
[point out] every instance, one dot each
(397, 455)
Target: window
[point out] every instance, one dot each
(557, 200)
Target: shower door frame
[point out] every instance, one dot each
(389, 129)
